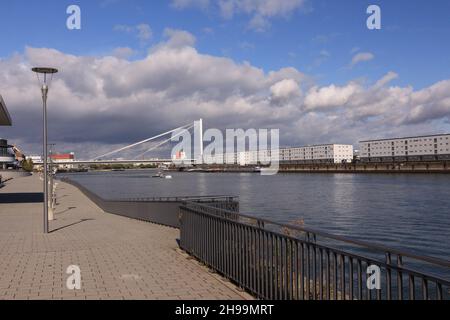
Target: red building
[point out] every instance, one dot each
(63, 157)
(63, 160)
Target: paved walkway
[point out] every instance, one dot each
(119, 258)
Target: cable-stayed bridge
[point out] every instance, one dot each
(140, 158)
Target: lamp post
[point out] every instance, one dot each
(52, 187)
(45, 72)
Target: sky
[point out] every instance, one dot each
(310, 68)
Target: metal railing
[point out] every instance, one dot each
(200, 199)
(282, 262)
(159, 210)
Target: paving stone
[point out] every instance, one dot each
(119, 258)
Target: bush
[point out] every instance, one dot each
(28, 165)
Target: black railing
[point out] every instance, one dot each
(278, 261)
(160, 210)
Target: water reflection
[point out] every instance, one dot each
(405, 211)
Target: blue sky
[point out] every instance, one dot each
(317, 39)
(310, 68)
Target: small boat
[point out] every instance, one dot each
(162, 176)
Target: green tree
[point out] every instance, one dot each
(28, 165)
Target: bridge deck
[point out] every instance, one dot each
(119, 258)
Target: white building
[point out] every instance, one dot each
(331, 153)
(421, 148)
(35, 159)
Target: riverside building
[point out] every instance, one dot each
(63, 161)
(329, 153)
(420, 148)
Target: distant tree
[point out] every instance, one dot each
(28, 165)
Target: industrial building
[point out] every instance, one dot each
(420, 148)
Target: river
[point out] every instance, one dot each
(404, 211)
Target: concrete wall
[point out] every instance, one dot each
(164, 212)
(432, 167)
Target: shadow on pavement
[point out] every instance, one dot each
(21, 198)
(72, 224)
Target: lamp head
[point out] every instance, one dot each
(44, 71)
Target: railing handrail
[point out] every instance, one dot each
(373, 247)
(149, 199)
(177, 198)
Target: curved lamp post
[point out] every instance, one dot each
(44, 82)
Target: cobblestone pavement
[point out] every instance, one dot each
(119, 258)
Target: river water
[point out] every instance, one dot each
(404, 211)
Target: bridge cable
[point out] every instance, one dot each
(141, 142)
(164, 142)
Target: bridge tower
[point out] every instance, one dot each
(198, 143)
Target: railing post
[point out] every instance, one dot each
(388, 276)
(400, 277)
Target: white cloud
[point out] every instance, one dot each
(361, 57)
(259, 23)
(329, 97)
(285, 90)
(182, 4)
(260, 11)
(123, 52)
(264, 8)
(97, 103)
(386, 79)
(323, 56)
(142, 31)
(178, 38)
(246, 46)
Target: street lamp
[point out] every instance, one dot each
(52, 187)
(44, 83)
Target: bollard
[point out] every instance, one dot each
(54, 196)
(50, 212)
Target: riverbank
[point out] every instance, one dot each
(383, 168)
(119, 258)
(356, 168)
